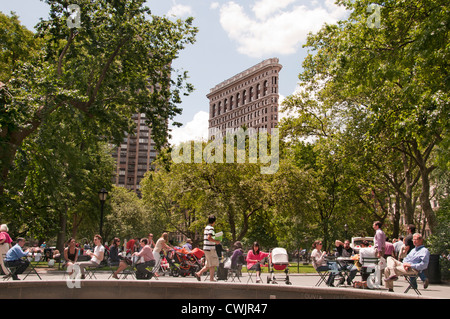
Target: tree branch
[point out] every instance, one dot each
(64, 51)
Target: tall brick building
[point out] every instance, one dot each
(248, 99)
(134, 156)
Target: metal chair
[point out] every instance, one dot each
(129, 271)
(32, 267)
(252, 270)
(412, 283)
(323, 274)
(91, 270)
(236, 271)
(11, 269)
(366, 264)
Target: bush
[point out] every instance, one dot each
(439, 242)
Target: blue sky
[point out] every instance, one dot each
(233, 36)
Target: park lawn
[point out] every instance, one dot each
(293, 269)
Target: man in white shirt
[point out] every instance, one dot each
(209, 248)
(96, 256)
(367, 252)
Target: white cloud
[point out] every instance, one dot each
(276, 27)
(180, 10)
(214, 5)
(264, 8)
(196, 130)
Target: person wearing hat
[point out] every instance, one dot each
(188, 245)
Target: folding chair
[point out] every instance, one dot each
(366, 264)
(370, 263)
(129, 271)
(32, 268)
(322, 276)
(235, 272)
(253, 271)
(206, 274)
(91, 270)
(412, 283)
(11, 269)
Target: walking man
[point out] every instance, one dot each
(209, 247)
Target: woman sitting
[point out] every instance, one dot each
(70, 255)
(321, 264)
(254, 257)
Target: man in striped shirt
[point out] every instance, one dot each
(209, 248)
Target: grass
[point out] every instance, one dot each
(293, 268)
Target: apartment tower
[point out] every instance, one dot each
(134, 156)
(248, 99)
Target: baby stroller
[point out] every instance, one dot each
(278, 260)
(184, 263)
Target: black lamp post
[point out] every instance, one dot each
(102, 196)
(346, 230)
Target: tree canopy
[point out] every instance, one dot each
(117, 63)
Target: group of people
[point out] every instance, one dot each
(148, 257)
(406, 257)
(13, 254)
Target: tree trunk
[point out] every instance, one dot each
(424, 198)
(61, 238)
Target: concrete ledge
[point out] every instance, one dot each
(134, 289)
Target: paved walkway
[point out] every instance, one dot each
(440, 291)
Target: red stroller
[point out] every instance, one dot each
(278, 260)
(184, 263)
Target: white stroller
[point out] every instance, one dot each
(278, 260)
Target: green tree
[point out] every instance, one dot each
(58, 172)
(128, 216)
(184, 194)
(17, 43)
(118, 62)
(396, 75)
